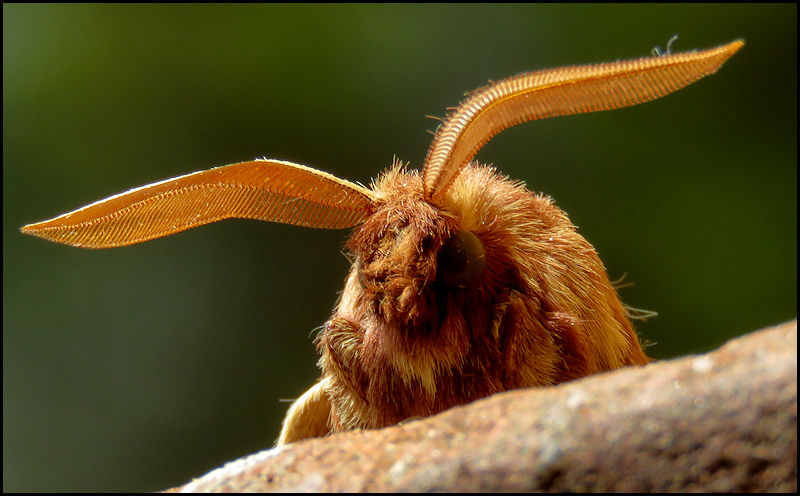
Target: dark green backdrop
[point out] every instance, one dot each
(138, 368)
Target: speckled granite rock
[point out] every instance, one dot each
(724, 421)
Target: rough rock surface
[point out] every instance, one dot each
(723, 421)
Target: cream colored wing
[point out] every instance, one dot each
(307, 417)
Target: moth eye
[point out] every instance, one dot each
(461, 260)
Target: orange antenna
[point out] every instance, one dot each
(270, 190)
(553, 92)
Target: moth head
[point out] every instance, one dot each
(408, 252)
(433, 251)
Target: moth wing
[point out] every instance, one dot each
(269, 190)
(307, 417)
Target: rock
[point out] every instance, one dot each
(723, 421)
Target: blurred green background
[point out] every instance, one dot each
(136, 369)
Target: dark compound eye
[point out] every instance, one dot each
(461, 260)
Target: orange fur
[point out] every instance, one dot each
(543, 311)
(464, 283)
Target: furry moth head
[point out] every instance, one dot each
(463, 283)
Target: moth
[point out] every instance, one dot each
(463, 282)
